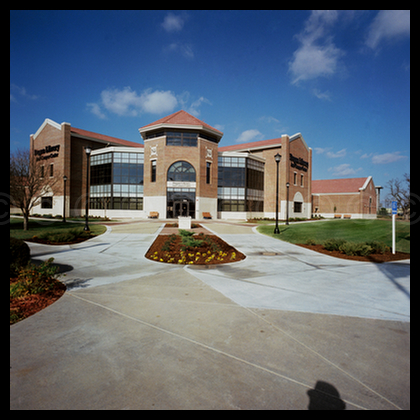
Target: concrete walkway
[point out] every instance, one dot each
(294, 330)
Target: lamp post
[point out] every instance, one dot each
(277, 157)
(64, 203)
(287, 208)
(87, 151)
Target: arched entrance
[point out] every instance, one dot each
(180, 191)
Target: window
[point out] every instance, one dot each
(179, 138)
(208, 172)
(51, 170)
(301, 180)
(153, 172)
(240, 184)
(181, 171)
(298, 207)
(100, 174)
(42, 171)
(46, 202)
(295, 178)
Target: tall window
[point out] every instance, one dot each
(153, 172)
(208, 172)
(181, 171)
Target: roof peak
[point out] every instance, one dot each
(182, 118)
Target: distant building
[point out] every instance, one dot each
(180, 170)
(348, 196)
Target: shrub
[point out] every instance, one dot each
(189, 242)
(185, 233)
(378, 247)
(333, 244)
(67, 235)
(353, 248)
(34, 279)
(310, 241)
(19, 255)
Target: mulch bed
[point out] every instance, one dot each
(213, 250)
(377, 258)
(29, 305)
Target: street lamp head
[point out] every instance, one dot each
(287, 184)
(88, 150)
(277, 157)
(64, 178)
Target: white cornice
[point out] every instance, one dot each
(49, 122)
(180, 127)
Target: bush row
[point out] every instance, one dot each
(355, 248)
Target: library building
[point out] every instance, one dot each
(178, 169)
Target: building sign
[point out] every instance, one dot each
(299, 163)
(52, 150)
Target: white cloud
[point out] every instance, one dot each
(158, 102)
(344, 170)
(317, 56)
(322, 95)
(21, 92)
(249, 135)
(174, 23)
(121, 102)
(326, 150)
(387, 158)
(193, 109)
(95, 109)
(183, 49)
(320, 150)
(268, 119)
(126, 102)
(339, 154)
(388, 24)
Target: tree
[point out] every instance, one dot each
(28, 183)
(400, 192)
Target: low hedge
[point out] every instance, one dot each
(355, 248)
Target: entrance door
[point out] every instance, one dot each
(181, 208)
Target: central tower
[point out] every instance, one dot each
(180, 166)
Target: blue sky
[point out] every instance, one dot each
(341, 78)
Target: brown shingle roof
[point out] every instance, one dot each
(345, 185)
(181, 118)
(252, 145)
(102, 137)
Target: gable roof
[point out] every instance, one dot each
(345, 185)
(262, 144)
(78, 132)
(183, 119)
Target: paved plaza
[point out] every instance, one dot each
(286, 328)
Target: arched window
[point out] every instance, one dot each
(181, 171)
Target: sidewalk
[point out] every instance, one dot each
(134, 334)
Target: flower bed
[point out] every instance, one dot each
(187, 248)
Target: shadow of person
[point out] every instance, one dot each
(325, 397)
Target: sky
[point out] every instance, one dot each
(341, 78)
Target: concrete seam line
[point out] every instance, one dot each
(231, 356)
(324, 358)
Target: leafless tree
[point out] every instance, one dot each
(400, 192)
(28, 183)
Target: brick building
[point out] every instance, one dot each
(180, 170)
(350, 196)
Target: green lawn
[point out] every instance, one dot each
(38, 227)
(350, 230)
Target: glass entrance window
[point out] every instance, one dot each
(180, 202)
(181, 171)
